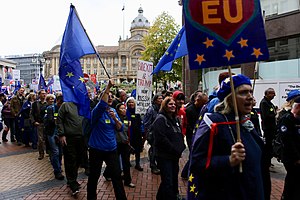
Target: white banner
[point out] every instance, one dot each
(143, 86)
(16, 74)
(56, 84)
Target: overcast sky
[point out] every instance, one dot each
(34, 26)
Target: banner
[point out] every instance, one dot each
(143, 86)
(224, 33)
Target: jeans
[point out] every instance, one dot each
(168, 188)
(123, 150)
(96, 159)
(56, 154)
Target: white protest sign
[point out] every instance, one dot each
(16, 74)
(143, 86)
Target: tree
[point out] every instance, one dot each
(161, 35)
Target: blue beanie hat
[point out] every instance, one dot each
(292, 94)
(225, 88)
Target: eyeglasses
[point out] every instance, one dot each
(111, 96)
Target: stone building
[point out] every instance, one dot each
(120, 61)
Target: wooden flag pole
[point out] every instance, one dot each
(237, 118)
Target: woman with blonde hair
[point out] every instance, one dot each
(217, 153)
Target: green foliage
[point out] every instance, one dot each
(161, 35)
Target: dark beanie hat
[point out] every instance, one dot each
(292, 94)
(225, 88)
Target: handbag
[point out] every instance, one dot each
(121, 137)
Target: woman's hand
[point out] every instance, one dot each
(112, 114)
(238, 154)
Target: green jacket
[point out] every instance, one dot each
(69, 123)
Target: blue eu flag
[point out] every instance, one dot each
(75, 44)
(42, 83)
(50, 82)
(224, 33)
(177, 49)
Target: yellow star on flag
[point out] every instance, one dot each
(167, 53)
(243, 43)
(256, 52)
(208, 43)
(70, 74)
(229, 55)
(200, 58)
(192, 188)
(191, 178)
(227, 80)
(81, 79)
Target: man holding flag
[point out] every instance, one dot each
(75, 44)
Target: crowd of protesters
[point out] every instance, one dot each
(115, 131)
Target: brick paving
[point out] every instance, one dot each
(23, 176)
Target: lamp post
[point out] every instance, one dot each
(39, 60)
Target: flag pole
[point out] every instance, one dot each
(91, 43)
(237, 118)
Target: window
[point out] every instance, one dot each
(123, 58)
(116, 60)
(283, 42)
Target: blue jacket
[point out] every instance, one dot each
(220, 180)
(103, 135)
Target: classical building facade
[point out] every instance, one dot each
(120, 61)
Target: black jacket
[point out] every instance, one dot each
(268, 115)
(168, 139)
(289, 126)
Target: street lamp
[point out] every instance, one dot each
(39, 60)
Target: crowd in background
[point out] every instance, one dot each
(44, 122)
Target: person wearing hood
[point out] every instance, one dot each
(179, 98)
(136, 131)
(217, 154)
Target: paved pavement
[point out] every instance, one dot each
(23, 176)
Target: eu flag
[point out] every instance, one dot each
(17, 87)
(75, 44)
(50, 82)
(42, 83)
(224, 33)
(177, 49)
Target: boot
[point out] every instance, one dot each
(41, 156)
(4, 134)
